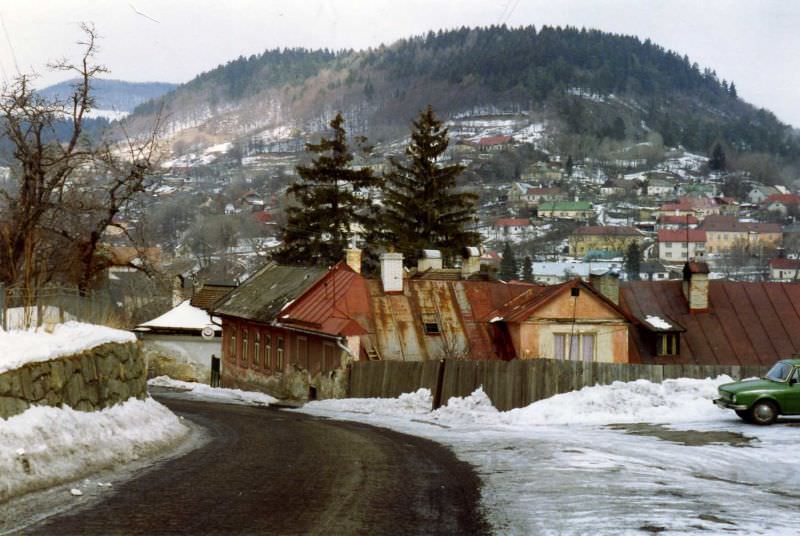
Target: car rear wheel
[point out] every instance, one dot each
(764, 412)
(743, 414)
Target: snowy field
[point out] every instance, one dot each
(632, 458)
(46, 446)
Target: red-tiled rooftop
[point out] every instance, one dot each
(677, 219)
(681, 235)
(610, 230)
(784, 264)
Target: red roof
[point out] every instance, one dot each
(512, 222)
(746, 324)
(494, 140)
(729, 224)
(681, 235)
(688, 203)
(786, 199)
(263, 217)
(675, 219)
(785, 264)
(332, 305)
(610, 230)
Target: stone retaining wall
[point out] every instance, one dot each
(92, 380)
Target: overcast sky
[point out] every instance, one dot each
(755, 43)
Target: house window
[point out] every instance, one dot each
(575, 347)
(668, 254)
(244, 345)
(279, 355)
(667, 344)
(430, 324)
(268, 351)
(232, 345)
(256, 348)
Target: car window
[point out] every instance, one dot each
(779, 372)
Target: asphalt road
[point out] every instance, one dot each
(267, 471)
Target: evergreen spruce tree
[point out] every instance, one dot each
(732, 91)
(422, 207)
(326, 200)
(568, 166)
(718, 160)
(508, 266)
(633, 261)
(527, 269)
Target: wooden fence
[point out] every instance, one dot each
(514, 384)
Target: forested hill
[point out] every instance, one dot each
(591, 82)
(113, 94)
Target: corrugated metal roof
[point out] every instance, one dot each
(746, 324)
(333, 305)
(262, 296)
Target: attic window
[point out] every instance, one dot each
(575, 292)
(668, 344)
(430, 324)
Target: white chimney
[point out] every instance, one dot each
(392, 272)
(471, 261)
(353, 259)
(430, 259)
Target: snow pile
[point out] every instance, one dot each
(18, 348)
(681, 400)
(407, 404)
(200, 391)
(45, 446)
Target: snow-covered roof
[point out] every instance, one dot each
(184, 316)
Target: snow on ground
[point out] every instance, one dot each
(200, 391)
(18, 348)
(45, 446)
(616, 459)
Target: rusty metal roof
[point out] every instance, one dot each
(207, 295)
(262, 296)
(746, 324)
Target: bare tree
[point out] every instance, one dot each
(67, 188)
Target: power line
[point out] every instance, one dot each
(10, 46)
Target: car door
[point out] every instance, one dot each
(790, 402)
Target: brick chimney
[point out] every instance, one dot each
(695, 286)
(429, 259)
(392, 272)
(606, 282)
(471, 261)
(353, 259)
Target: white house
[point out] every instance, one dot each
(181, 342)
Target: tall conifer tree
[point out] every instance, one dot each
(327, 199)
(423, 207)
(508, 265)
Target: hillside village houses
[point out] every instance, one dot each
(293, 330)
(567, 210)
(679, 246)
(782, 269)
(510, 228)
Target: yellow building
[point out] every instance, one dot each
(724, 233)
(599, 238)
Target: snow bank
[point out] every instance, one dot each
(45, 446)
(18, 348)
(200, 391)
(184, 316)
(680, 400)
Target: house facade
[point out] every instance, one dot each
(509, 228)
(603, 238)
(726, 232)
(784, 270)
(679, 246)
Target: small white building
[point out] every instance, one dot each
(181, 342)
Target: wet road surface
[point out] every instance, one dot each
(267, 471)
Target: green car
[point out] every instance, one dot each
(761, 401)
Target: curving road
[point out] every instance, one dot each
(267, 471)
